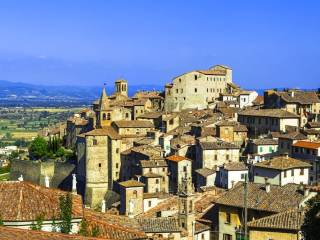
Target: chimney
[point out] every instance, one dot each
(268, 187)
(74, 184)
(103, 206)
(20, 178)
(292, 94)
(306, 192)
(47, 181)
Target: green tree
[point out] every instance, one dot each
(38, 148)
(311, 225)
(60, 152)
(83, 231)
(65, 213)
(8, 135)
(38, 224)
(13, 155)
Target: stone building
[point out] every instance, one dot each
(99, 163)
(231, 205)
(263, 121)
(180, 168)
(231, 131)
(211, 154)
(281, 171)
(196, 89)
(284, 225)
(306, 104)
(131, 196)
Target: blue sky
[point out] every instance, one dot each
(89, 42)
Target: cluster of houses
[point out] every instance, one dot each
(175, 164)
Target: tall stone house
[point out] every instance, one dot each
(196, 89)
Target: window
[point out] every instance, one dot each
(149, 203)
(157, 181)
(301, 171)
(243, 175)
(202, 236)
(171, 121)
(195, 77)
(181, 90)
(215, 157)
(261, 149)
(150, 169)
(127, 115)
(99, 165)
(227, 157)
(163, 169)
(104, 116)
(184, 168)
(292, 172)
(117, 165)
(135, 193)
(177, 90)
(179, 80)
(94, 142)
(270, 149)
(227, 236)
(117, 150)
(195, 90)
(285, 174)
(228, 218)
(108, 116)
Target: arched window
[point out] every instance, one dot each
(135, 193)
(104, 117)
(108, 116)
(127, 115)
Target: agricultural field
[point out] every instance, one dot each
(24, 123)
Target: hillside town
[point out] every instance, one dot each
(203, 159)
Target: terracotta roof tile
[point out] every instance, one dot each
(279, 199)
(288, 220)
(275, 113)
(8, 233)
(306, 144)
(176, 158)
(131, 183)
(24, 201)
(134, 124)
(282, 163)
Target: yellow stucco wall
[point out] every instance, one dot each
(266, 235)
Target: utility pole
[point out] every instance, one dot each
(245, 207)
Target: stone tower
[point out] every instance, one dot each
(186, 205)
(121, 86)
(104, 111)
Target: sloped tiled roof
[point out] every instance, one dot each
(105, 131)
(153, 163)
(275, 113)
(306, 144)
(293, 136)
(205, 172)
(280, 198)
(265, 141)
(302, 97)
(176, 158)
(131, 183)
(283, 163)
(114, 226)
(288, 220)
(160, 224)
(235, 166)
(133, 124)
(8, 233)
(24, 201)
(218, 145)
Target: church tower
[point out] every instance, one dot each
(121, 86)
(104, 111)
(186, 205)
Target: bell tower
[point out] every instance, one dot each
(121, 86)
(186, 205)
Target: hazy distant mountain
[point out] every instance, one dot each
(23, 91)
